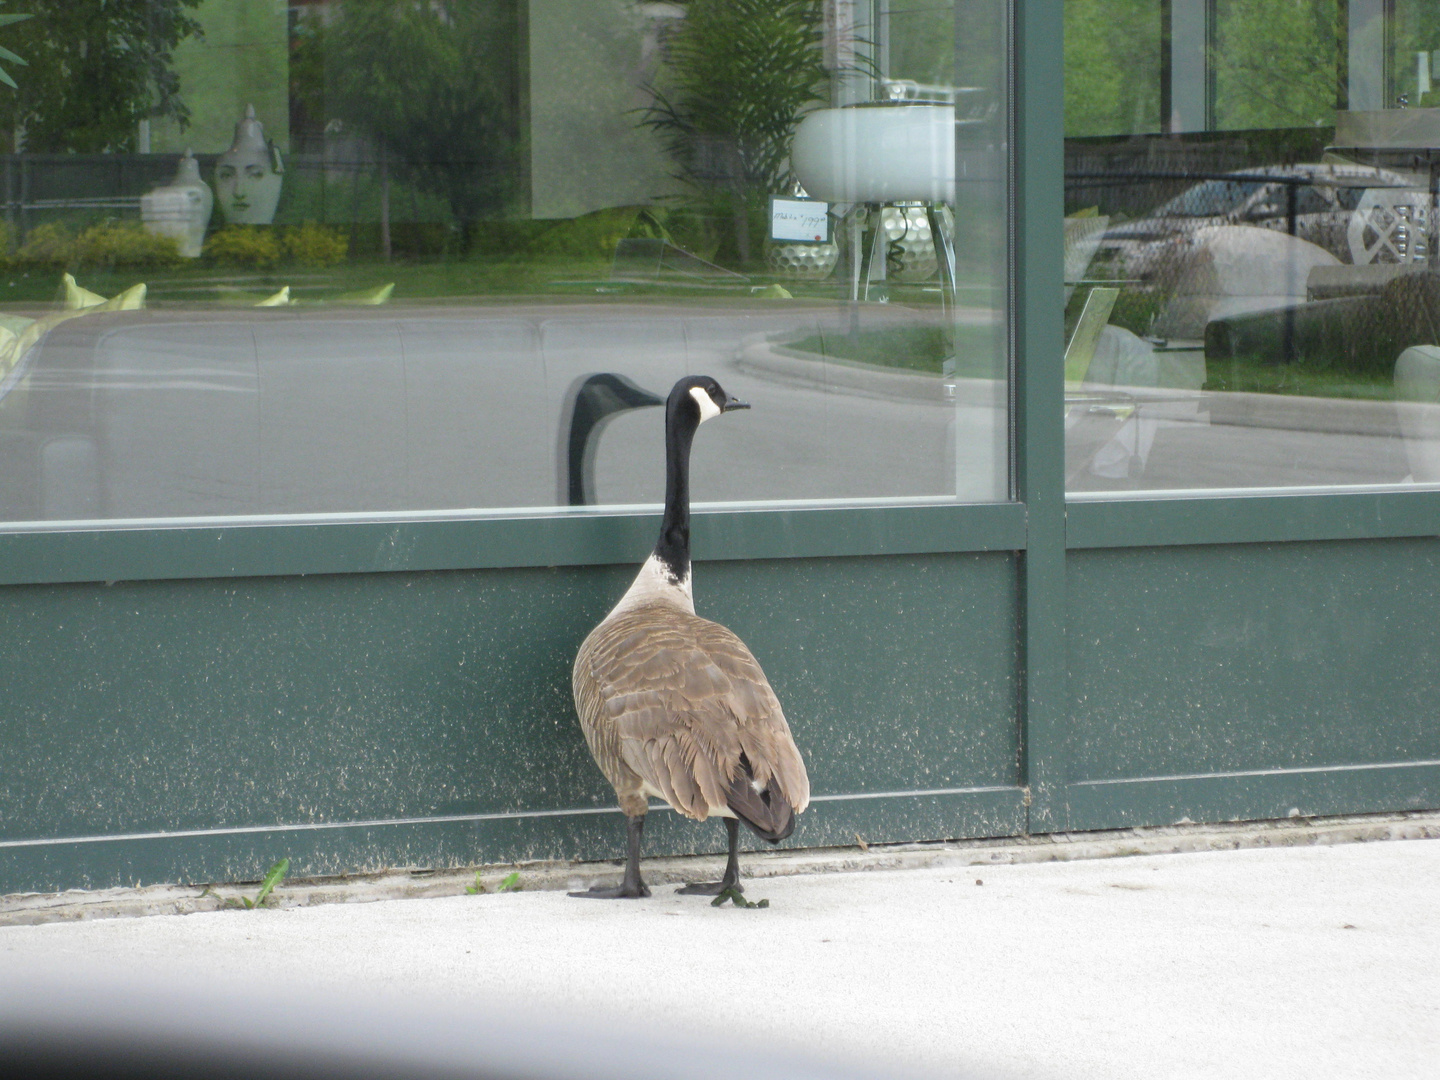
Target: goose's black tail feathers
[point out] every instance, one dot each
(768, 813)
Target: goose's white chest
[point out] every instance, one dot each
(656, 582)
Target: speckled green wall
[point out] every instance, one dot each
(222, 724)
(1306, 674)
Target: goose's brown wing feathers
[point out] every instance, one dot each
(673, 701)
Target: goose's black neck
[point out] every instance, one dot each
(682, 417)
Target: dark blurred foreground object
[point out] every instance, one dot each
(118, 1030)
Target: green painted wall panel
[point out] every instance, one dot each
(185, 705)
(222, 704)
(1209, 518)
(894, 673)
(1220, 659)
(1254, 795)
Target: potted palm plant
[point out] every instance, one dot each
(737, 77)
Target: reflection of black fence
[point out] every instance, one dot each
(1166, 157)
(42, 187)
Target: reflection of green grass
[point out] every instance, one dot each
(1250, 376)
(438, 279)
(418, 280)
(1135, 308)
(913, 348)
(919, 348)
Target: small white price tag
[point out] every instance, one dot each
(799, 219)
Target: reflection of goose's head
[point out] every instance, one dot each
(610, 393)
(593, 400)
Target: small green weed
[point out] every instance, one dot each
(273, 877)
(509, 883)
(734, 896)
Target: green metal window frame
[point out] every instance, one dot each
(284, 549)
(1039, 524)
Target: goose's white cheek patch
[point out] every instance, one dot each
(708, 408)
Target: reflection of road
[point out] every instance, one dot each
(294, 411)
(1231, 440)
(164, 413)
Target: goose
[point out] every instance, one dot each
(674, 706)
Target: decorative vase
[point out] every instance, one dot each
(909, 242)
(877, 153)
(802, 262)
(248, 176)
(180, 209)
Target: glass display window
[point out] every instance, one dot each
(1250, 240)
(376, 257)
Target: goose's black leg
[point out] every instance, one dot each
(631, 887)
(731, 880)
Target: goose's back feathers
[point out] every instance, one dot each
(676, 706)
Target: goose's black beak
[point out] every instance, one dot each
(733, 403)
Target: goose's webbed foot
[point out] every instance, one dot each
(624, 891)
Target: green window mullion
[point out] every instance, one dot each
(1038, 330)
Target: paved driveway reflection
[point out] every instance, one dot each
(163, 414)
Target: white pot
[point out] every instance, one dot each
(877, 153)
(180, 209)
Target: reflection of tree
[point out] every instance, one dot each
(1274, 63)
(6, 54)
(436, 85)
(95, 71)
(737, 76)
(1112, 66)
(1415, 27)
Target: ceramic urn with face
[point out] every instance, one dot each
(248, 175)
(180, 209)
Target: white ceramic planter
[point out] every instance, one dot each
(877, 153)
(180, 209)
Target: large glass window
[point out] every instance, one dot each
(1249, 244)
(339, 257)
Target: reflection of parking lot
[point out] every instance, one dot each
(191, 414)
(163, 414)
(1239, 306)
(1359, 213)
(1233, 441)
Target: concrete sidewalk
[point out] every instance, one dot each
(1283, 962)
